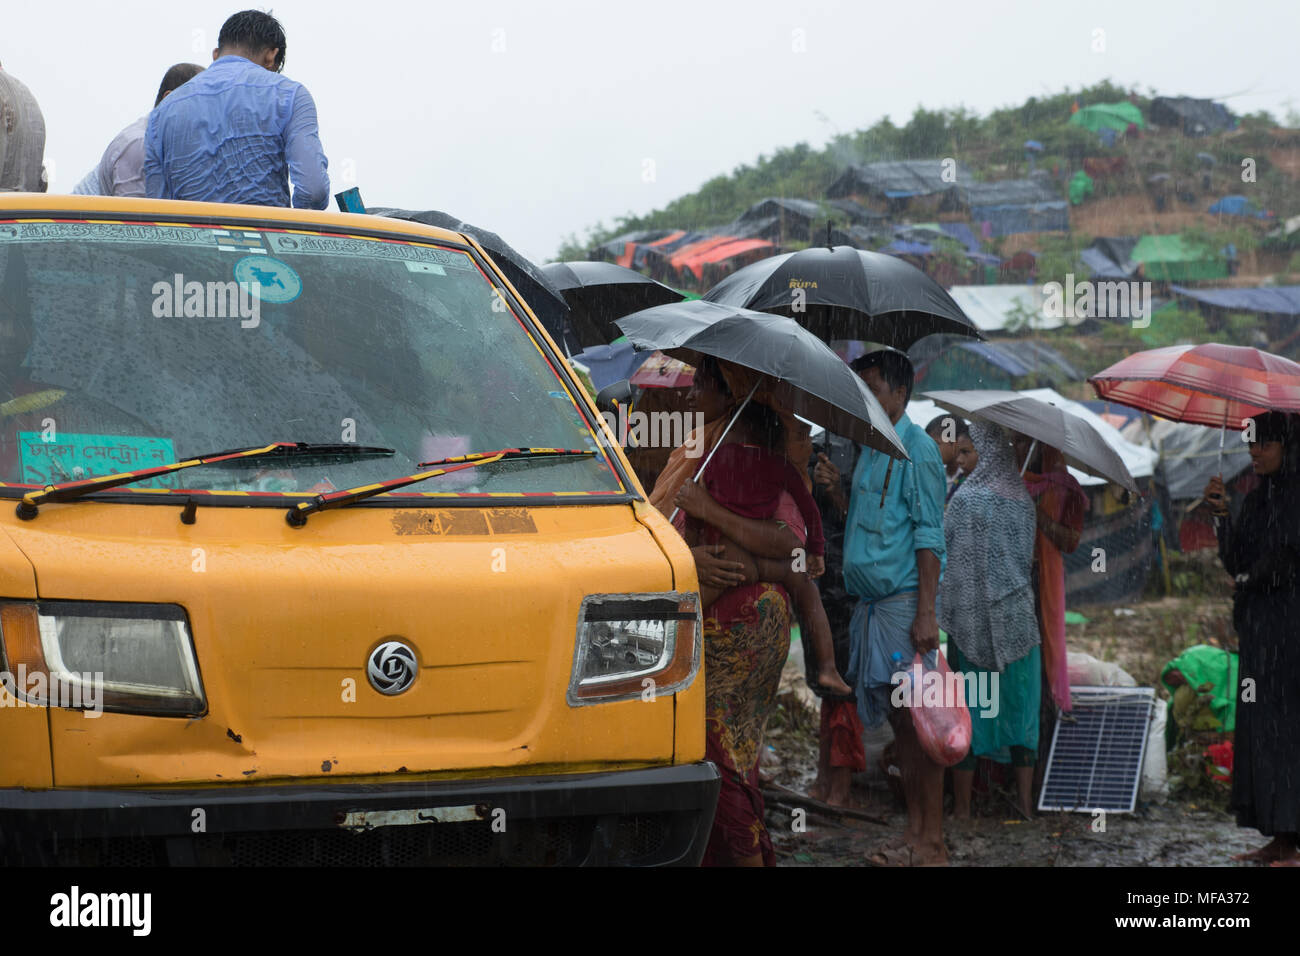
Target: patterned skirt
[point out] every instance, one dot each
(746, 642)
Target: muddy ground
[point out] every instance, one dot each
(1180, 830)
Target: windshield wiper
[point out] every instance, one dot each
(28, 508)
(297, 515)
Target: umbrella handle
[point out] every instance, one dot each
(1223, 431)
(1029, 457)
(889, 470)
(739, 408)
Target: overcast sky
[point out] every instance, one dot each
(538, 119)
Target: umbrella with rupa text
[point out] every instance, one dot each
(1211, 384)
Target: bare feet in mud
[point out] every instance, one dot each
(1276, 850)
(898, 851)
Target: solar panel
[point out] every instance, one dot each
(1097, 750)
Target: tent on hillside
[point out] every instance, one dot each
(686, 266)
(1193, 117)
(991, 307)
(1285, 236)
(1006, 364)
(1239, 206)
(859, 237)
(1012, 206)
(1279, 300)
(780, 220)
(1170, 258)
(1116, 116)
(857, 213)
(621, 247)
(1110, 258)
(897, 183)
(652, 257)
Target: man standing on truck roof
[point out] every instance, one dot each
(22, 138)
(238, 132)
(120, 171)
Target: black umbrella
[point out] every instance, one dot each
(546, 301)
(845, 293)
(600, 292)
(810, 378)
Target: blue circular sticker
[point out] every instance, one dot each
(276, 281)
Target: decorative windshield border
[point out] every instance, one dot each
(626, 490)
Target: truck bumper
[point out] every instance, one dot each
(651, 817)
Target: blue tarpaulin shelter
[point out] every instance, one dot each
(1239, 206)
(1269, 300)
(1031, 217)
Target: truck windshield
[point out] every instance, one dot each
(126, 345)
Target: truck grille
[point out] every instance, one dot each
(558, 842)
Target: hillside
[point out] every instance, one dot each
(1198, 170)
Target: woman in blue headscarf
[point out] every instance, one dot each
(987, 609)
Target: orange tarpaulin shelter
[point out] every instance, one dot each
(625, 258)
(719, 249)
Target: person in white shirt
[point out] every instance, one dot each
(121, 169)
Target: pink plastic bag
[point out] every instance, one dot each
(939, 711)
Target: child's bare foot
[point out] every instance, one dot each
(830, 680)
(839, 793)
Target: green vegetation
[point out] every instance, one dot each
(992, 146)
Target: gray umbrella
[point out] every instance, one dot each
(809, 378)
(1082, 445)
(599, 292)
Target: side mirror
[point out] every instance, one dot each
(609, 398)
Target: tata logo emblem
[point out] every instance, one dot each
(391, 668)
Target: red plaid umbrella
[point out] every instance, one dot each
(1212, 384)
(660, 371)
(1219, 385)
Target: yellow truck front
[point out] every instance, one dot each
(266, 640)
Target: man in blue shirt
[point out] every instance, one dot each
(239, 131)
(894, 555)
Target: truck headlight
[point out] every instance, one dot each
(635, 645)
(129, 658)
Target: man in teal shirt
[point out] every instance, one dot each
(894, 557)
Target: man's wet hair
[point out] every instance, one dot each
(895, 368)
(938, 424)
(254, 32)
(179, 74)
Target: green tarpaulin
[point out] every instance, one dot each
(1203, 664)
(1080, 187)
(1114, 116)
(1170, 258)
